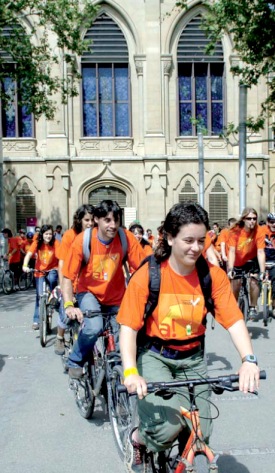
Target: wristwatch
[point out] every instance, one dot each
(250, 359)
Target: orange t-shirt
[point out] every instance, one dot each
(103, 275)
(246, 244)
(26, 247)
(223, 238)
(207, 243)
(65, 244)
(14, 244)
(181, 303)
(46, 256)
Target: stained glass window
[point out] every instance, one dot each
(201, 82)
(17, 122)
(106, 80)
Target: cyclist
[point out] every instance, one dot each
(223, 238)
(101, 282)
(83, 218)
(45, 246)
(269, 232)
(13, 255)
(246, 252)
(138, 232)
(25, 247)
(172, 346)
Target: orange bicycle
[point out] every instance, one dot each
(195, 456)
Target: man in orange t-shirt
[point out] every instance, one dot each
(172, 348)
(246, 252)
(100, 282)
(13, 255)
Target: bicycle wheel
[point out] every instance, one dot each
(8, 281)
(43, 320)
(244, 306)
(120, 408)
(49, 319)
(83, 391)
(25, 281)
(266, 311)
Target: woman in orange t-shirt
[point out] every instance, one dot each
(246, 242)
(46, 248)
(172, 347)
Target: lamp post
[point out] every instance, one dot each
(201, 168)
(242, 146)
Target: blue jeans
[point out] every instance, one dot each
(91, 328)
(53, 280)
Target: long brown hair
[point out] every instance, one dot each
(240, 222)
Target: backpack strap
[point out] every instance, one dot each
(205, 283)
(124, 243)
(87, 244)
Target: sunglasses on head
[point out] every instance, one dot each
(251, 218)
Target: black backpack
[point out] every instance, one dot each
(154, 283)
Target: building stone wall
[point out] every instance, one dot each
(61, 167)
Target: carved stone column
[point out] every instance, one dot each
(166, 65)
(139, 63)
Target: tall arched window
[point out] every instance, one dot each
(109, 193)
(188, 193)
(201, 81)
(218, 204)
(25, 206)
(106, 81)
(16, 121)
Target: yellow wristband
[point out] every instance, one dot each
(68, 304)
(25, 266)
(130, 371)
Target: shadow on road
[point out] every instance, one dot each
(13, 301)
(212, 358)
(258, 332)
(2, 361)
(229, 464)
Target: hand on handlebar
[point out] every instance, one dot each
(26, 269)
(135, 383)
(249, 375)
(74, 313)
(231, 274)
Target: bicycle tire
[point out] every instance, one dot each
(266, 310)
(244, 306)
(25, 281)
(8, 282)
(43, 321)
(83, 391)
(49, 320)
(120, 410)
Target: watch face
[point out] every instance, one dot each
(251, 358)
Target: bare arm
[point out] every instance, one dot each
(60, 274)
(248, 372)
(231, 257)
(128, 349)
(261, 259)
(67, 292)
(27, 260)
(224, 257)
(211, 255)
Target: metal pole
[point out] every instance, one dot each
(242, 146)
(201, 169)
(1, 184)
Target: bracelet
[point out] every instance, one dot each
(130, 371)
(68, 304)
(25, 266)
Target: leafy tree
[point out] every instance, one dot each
(251, 24)
(30, 56)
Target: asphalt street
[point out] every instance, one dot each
(42, 431)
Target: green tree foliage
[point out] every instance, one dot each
(36, 37)
(252, 25)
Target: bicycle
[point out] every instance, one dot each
(25, 281)
(266, 295)
(7, 280)
(102, 373)
(46, 309)
(194, 456)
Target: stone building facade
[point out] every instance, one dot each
(131, 135)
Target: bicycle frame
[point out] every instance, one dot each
(185, 462)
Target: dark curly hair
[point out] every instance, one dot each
(44, 229)
(180, 214)
(79, 214)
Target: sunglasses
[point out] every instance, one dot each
(272, 222)
(251, 218)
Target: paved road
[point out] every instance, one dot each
(42, 431)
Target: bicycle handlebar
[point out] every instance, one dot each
(222, 382)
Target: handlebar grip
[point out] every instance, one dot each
(262, 374)
(121, 389)
(234, 378)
